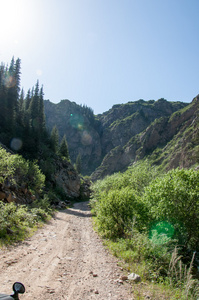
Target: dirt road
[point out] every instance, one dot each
(64, 260)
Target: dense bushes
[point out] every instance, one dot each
(167, 205)
(116, 200)
(175, 198)
(17, 220)
(15, 168)
(116, 211)
(149, 215)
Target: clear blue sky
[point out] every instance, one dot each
(103, 52)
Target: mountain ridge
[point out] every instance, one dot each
(111, 141)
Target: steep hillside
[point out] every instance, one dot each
(170, 141)
(94, 137)
(80, 127)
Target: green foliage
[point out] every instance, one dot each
(16, 168)
(20, 115)
(63, 148)
(54, 139)
(16, 221)
(174, 198)
(116, 200)
(115, 212)
(6, 165)
(146, 215)
(137, 177)
(149, 260)
(42, 207)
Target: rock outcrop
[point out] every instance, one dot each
(17, 193)
(101, 138)
(173, 139)
(66, 177)
(81, 130)
(15, 188)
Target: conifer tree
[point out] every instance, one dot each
(17, 77)
(34, 128)
(54, 139)
(63, 148)
(27, 100)
(21, 110)
(34, 108)
(12, 81)
(42, 123)
(3, 95)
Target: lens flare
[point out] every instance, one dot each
(161, 232)
(77, 121)
(16, 144)
(39, 72)
(9, 81)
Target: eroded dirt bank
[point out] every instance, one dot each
(64, 260)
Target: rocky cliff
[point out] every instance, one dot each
(171, 141)
(81, 130)
(101, 139)
(17, 186)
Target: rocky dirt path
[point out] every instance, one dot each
(64, 260)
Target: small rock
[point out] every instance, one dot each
(96, 292)
(94, 275)
(124, 277)
(134, 277)
(120, 281)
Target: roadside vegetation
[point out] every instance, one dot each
(31, 166)
(150, 220)
(17, 221)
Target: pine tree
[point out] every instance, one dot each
(21, 100)
(34, 128)
(21, 109)
(54, 139)
(17, 77)
(34, 108)
(3, 95)
(27, 100)
(63, 148)
(12, 81)
(42, 122)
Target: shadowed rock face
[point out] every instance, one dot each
(177, 137)
(80, 129)
(106, 141)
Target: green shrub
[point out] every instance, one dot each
(17, 220)
(18, 170)
(174, 198)
(143, 256)
(6, 165)
(43, 203)
(137, 177)
(117, 210)
(13, 221)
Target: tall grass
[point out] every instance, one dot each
(181, 275)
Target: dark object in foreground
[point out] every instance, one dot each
(18, 288)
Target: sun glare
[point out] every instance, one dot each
(11, 18)
(16, 23)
